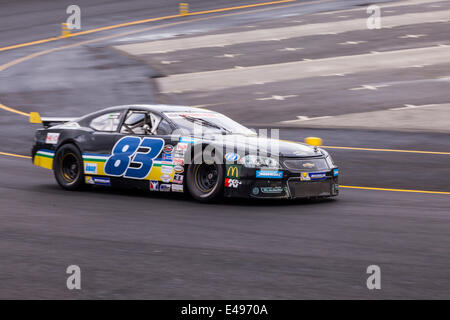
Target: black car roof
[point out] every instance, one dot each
(147, 107)
(154, 107)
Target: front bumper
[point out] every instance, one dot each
(291, 185)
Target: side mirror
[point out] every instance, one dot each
(313, 141)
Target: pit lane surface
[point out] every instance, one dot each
(148, 245)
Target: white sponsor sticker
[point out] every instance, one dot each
(166, 178)
(177, 188)
(232, 183)
(154, 185)
(177, 178)
(182, 146)
(167, 169)
(52, 138)
(178, 169)
(89, 180)
(178, 161)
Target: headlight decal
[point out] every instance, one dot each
(254, 161)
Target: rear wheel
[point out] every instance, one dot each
(68, 167)
(205, 181)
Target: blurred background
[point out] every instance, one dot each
(371, 78)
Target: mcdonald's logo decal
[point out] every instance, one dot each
(233, 171)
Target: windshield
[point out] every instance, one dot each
(207, 122)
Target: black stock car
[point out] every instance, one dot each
(159, 148)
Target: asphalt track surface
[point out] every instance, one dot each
(164, 246)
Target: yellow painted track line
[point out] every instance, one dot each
(127, 24)
(27, 44)
(14, 155)
(387, 150)
(340, 186)
(123, 34)
(240, 7)
(14, 110)
(395, 190)
(36, 54)
(329, 147)
(348, 187)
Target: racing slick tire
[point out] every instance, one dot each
(205, 182)
(68, 167)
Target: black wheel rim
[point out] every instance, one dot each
(206, 177)
(69, 167)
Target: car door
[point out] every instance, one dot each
(141, 153)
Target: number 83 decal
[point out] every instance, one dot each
(125, 152)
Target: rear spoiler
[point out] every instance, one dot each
(48, 121)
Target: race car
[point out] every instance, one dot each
(168, 148)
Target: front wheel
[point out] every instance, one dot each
(68, 167)
(205, 181)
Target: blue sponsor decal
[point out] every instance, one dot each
(90, 168)
(232, 156)
(335, 172)
(269, 174)
(164, 187)
(167, 157)
(318, 176)
(102, 181)
(187, 140)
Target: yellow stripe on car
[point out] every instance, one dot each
(43, 161)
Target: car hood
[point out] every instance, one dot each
(269, 146)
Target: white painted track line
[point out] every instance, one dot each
(229, 78)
